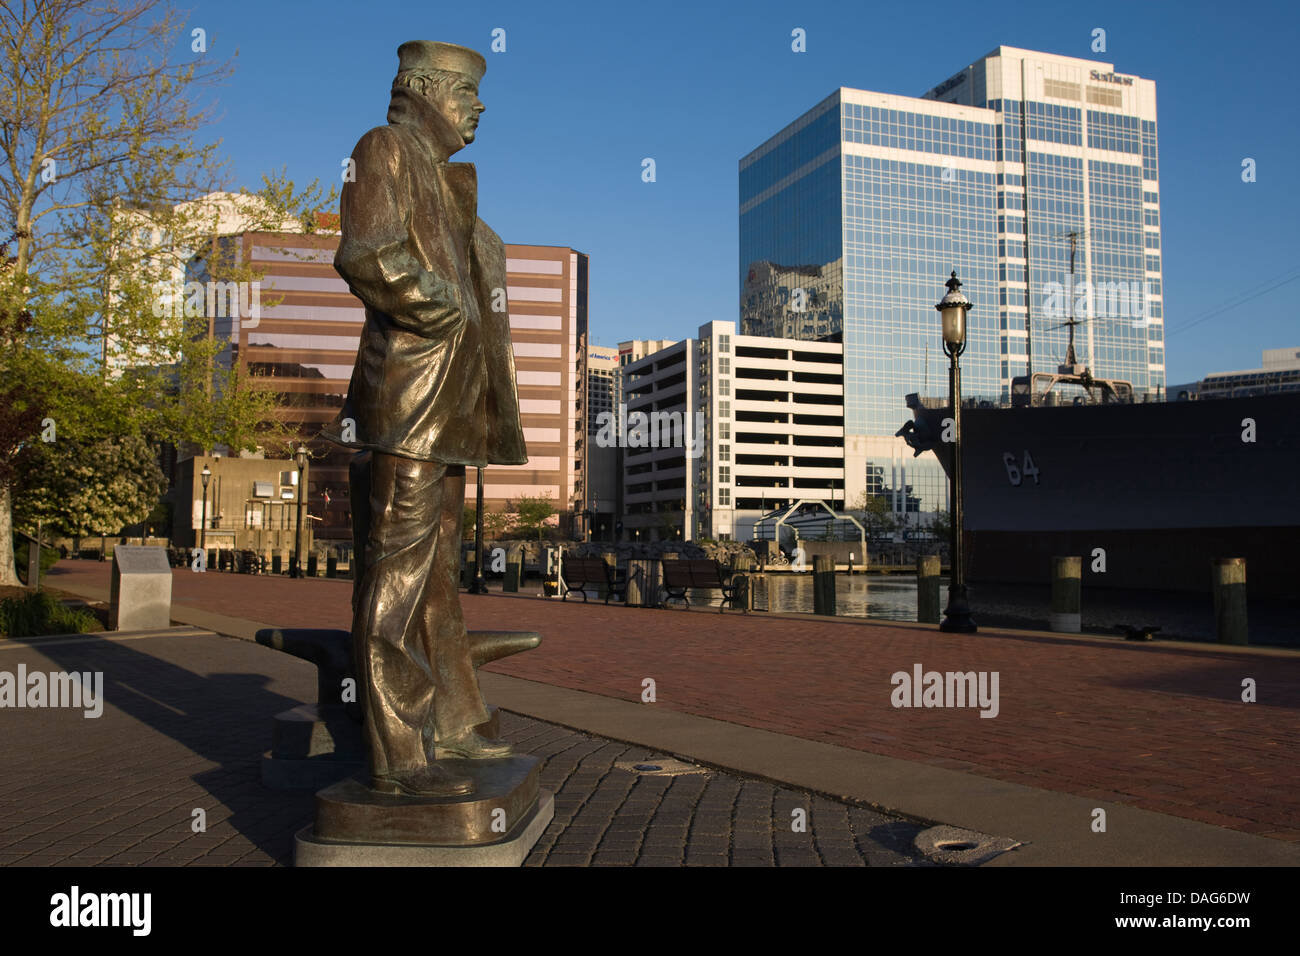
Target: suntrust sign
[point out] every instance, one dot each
(1112, 78)
(948, 84)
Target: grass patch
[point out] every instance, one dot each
(34, 615)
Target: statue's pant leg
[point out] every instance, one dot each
(458, 703)
(405, 599)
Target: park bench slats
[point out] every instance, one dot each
(582, 573)
(703, 574)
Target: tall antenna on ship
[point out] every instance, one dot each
(1071, 365)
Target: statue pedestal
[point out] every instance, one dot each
(318, 744)
(495, 825)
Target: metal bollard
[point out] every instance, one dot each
(928, 569)
(467, 569)
(824, 584)
(331, 567)
(34, 565)
(611, 559)
(514, 569)
(312, 565)
(743, 596)
(1229, 584)
(1066, 595)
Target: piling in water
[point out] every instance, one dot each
(1229, 585)
(824, 584)
(1066, 595)
(927, 589)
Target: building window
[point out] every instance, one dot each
(724, 430)
(724, 386)
(724, 474)
(724, 453)
(724, 365)
(724, 343)
(724, 409)
(724, 496)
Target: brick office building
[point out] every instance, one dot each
(303, 345)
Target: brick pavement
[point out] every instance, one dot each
(186, 718)
(1152, 726)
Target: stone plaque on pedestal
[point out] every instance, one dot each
(142, 588)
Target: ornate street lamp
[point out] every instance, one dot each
(205, 474)
(480, 583)
(300, 458)
(953, 309)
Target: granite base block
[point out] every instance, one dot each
(511, 850)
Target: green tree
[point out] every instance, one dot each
(496, 524)
(110, 192)
(533, 513)
(99, 488)
(941, 526)
(877, 515)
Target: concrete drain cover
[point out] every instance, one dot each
(659, 767)
(962, 847)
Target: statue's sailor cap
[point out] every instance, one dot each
(426, 55)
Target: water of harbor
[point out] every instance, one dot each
(892, 597)
(889, 597)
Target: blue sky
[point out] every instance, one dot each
(585, 91)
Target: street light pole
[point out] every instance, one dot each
(206, 474)
(299, 570)
(953, 308)
(480, 582)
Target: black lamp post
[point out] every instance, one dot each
(205, 474)
(300, 458)
(953, 309)
(480, 583)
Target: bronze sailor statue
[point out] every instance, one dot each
(432, 393)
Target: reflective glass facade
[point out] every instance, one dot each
(852, 217)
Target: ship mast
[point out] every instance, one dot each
(1071, 362)
(1071, 372)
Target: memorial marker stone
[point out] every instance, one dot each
(142, 588)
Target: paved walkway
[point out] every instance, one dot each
(1159, 727)
(188, 715)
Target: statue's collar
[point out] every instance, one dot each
(411, 110)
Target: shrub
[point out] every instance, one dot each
(40, 613)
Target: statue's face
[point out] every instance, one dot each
(461, 105)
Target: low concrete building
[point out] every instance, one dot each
(251, 504)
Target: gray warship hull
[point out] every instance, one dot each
(1151, 493)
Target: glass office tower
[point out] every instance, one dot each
(1034, 176)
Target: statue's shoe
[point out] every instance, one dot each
(471, 745)
(432, 781)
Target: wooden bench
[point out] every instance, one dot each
(582, 573)
(703, 574)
